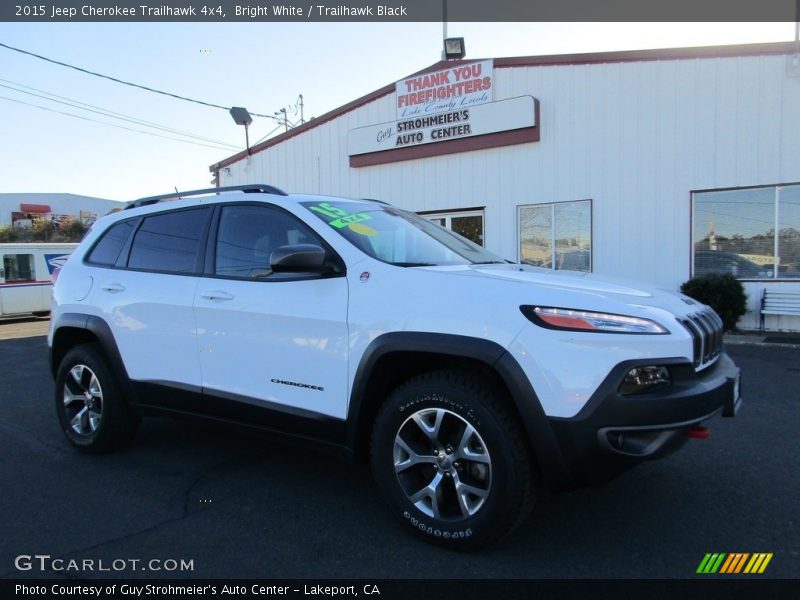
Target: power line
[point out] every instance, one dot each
(112, 124)
(107, 113)
(136, 85)
(269, 134)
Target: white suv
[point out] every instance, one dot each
(465, 380)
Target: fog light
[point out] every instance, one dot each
(644, 379)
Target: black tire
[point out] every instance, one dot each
(491, 459)
(93, 414)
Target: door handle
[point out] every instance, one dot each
(216, 295)
(113, 287)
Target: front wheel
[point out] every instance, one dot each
(451, 460)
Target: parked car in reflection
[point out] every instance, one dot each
(714, 261)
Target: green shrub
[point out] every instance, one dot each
(722, 292)
(72, 231)
(8, 234)
(43, 230)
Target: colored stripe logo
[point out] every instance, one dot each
(734, 563)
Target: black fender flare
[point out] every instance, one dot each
(537, 426)
(102, 331)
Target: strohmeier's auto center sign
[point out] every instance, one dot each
(449, 105)
(481, 119)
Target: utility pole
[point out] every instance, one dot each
(302, 120)
(285, 118)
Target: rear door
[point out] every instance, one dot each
(146, 291)
(278, 341)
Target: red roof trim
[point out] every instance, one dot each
(34, 208)
(535, 61)
(649, 55)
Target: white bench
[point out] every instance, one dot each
(779, 302)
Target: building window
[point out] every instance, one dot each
(467, 223)
(733, 231)
(556, 235)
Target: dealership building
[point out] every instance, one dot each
(652, 165)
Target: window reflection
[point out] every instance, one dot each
(557, 235)
(733, 232)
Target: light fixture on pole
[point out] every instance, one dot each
(454, 48)
(242, 117)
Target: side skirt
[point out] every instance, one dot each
(297, 426)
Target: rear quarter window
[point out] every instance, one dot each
(106, 251)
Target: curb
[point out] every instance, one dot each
(759, 344)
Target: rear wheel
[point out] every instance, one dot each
(450, 458)
(91, 410)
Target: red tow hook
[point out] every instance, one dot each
(699, 432)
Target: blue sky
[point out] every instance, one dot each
(261, 66)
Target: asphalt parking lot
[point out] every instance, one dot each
(238, 505)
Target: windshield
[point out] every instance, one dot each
(398, 237)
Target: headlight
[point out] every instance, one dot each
(570, 319)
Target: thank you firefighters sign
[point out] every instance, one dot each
(461, 86)
(441, 106)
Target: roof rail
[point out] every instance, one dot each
(251, 188)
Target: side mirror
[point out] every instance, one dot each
(299, 258)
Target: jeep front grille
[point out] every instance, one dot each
(706, 328)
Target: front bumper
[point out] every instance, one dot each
(614, 432)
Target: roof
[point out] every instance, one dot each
(773, 48)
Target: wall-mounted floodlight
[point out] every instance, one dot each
(454, 48)
(242, 117)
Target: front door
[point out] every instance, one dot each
(275, 340)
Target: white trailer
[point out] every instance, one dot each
(26, 276)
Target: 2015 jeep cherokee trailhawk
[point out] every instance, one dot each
(467, 381)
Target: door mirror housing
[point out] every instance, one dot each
(299, 258)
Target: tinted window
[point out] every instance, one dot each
(248, 235)
(106, 251)
(169, 242)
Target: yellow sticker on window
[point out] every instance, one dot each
(362, 229)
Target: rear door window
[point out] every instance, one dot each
(170, 242)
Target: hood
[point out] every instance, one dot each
(574, 289)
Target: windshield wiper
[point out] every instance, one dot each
(491, 262)
(414, 264)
